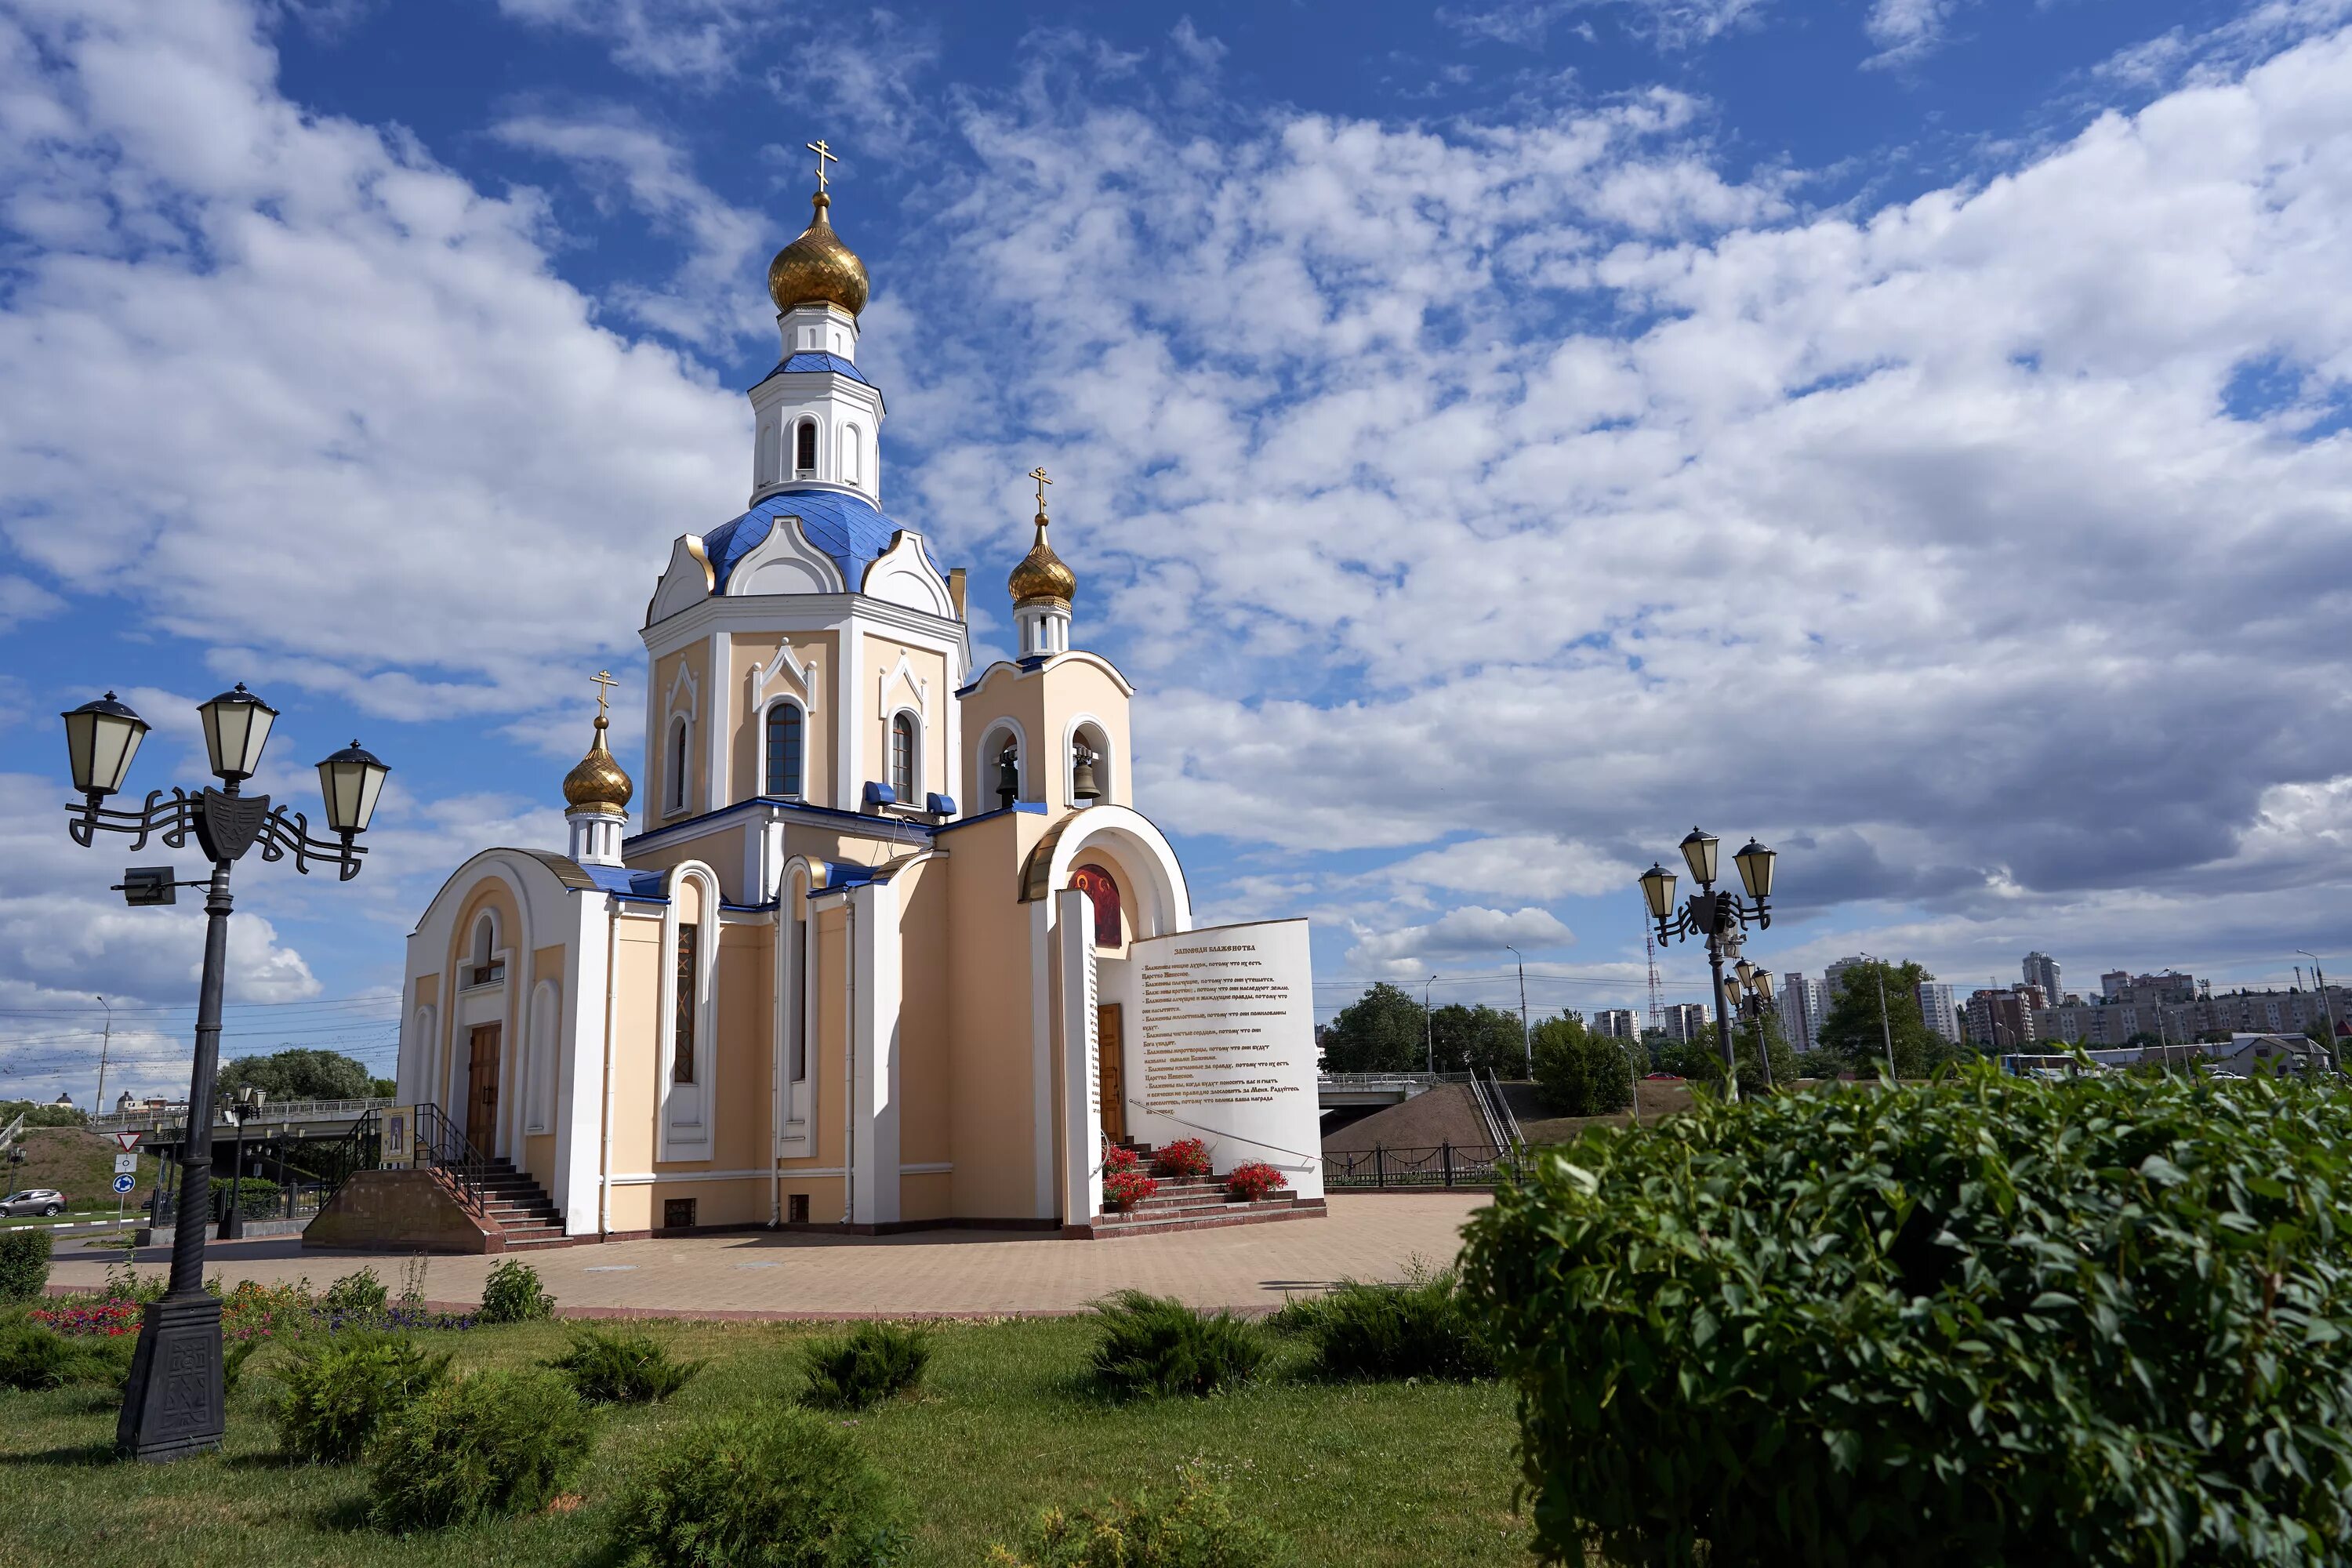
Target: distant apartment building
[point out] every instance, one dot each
(1616, 1023)
(2003, 1020)
(1684, 1020)
(1833, 977)
(1939, 1009)
(2176, 1009)
(1804, 1004)
(2041, 969)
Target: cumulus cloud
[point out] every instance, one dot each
(1906, 30)
(690, 42)
(1672, 24)
(1470, 932)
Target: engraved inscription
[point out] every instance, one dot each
(1211, 1012)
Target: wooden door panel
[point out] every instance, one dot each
(482, 1087)
(1110, 1030)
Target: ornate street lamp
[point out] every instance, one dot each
(172, 1404)
(1720, 917)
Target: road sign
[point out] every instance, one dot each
(122, 1184)
(128, 1141)
(126, 1164)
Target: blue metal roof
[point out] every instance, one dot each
(812, 360)
(628, 883)
(843, 526)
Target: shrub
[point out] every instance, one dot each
(257, 1197)
(1986, 1320)
(1125, 1189)
(607, 1368)
(334, 1394)
(32, 1357)
(512, 1294)
(781, 1488)
(360, 1292)
(1422, 1328)
(476, 1447)
(1184, 1158)
(1156, 1345)
(872, 1363)
(1580, 1073)
(1255, 1179)
(1194, 1529)
(24, 1265)
(1118, 1157)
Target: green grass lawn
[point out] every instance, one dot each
(1355, 1475)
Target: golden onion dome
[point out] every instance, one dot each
(817, 269)
(1042, 575)
(596, 782)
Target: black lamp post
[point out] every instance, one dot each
(247, 1103)
(172, 1404)
(1718, 917)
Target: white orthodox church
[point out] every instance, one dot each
(875, 941)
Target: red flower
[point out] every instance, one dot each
(1185, 1157)
(1124, 1189)
(1118, 1159)
(1253, 1180)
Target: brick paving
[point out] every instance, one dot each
(942, 1273)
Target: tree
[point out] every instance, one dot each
(1487, 1038)
(382, 1087)
(1382, 1031)
(1702, 1059)
(1851, 1031)
(299, 1074)
(1580, 1073)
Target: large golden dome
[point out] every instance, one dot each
(596, 782)
(817, 269)
(1042, 575)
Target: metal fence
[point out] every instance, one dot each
(1446, 1165)
(271, 1111)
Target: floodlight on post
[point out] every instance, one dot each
(1719, 918)
(172, 1400)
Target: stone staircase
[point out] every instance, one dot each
(521, 1214)
(1195, 1203)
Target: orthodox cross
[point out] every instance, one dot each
(1038, 474)
(823, 156)
(604, 679)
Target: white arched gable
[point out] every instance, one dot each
(1164, 905)
(784, 563)
(686, 582)
(903, 575)
(426, 1071)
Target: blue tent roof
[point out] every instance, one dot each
(843, 526)
(812, 360)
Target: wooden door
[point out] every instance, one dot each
(1110, 1029)
(482, 1088)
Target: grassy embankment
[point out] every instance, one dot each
(80, 1165)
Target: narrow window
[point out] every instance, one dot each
(797, 1030)
(804, 448)
(849, 455)
(784, 750)
(902, 758)
(677, 766)
(681, 1068)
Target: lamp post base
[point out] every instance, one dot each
(171, 1406)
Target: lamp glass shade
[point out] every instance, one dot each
(1698, 853)
(1747, 973)
(1658, 890)
(236, 726)
(1755, 864)
(350, 782)
(1764, 983)
(101, 736)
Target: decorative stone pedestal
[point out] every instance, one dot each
(171, 1406)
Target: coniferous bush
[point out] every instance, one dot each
(872, 1363)
(1422, 1328)
(1157, 1345)
(24, 1265)
(611, 1368)
(1982, 1321)
(479, 1447)
(33, 1357)
(1195, 1528)
(335, 1392)
(513, 1294)
(778, 1489)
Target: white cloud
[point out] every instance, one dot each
(1671, 23)
(1462, 934)
(1906, 30)
(694, 42)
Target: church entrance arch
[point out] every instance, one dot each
(482, 1087)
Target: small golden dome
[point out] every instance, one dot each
(1042, 574)
(817, 269)
(596, 782)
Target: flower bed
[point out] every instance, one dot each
(1249, 1182)
(1123, 1189)
(92, 1319)
(1184, 1158)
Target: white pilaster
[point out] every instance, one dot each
(719, 722)
(580, 1066)
(1081, 1192)
(874, 1091)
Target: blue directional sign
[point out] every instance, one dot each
(123, 1183)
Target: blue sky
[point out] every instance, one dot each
(1493, 437)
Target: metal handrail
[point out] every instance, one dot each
(279, 1110)
(1510, 1119)
(1444, 1165)
(10, 1133)
(439, 1143)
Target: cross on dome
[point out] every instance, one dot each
(1038, 474)
(604, 683)
(823, 156)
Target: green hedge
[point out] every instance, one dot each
(1984, 1321)
(24, 1265)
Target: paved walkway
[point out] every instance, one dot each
(944, 1273)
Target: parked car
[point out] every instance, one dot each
(34, 1200)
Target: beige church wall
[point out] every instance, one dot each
(828, 1039)
(1003, 694)
(749, 754)
(924, 1070)
(655, 784)
(745, 1051)
(723, 850)
(1075, 687)
(991, 1117)
(925, 1195)
(637, 1038)
(538, 1158)
(881, 655)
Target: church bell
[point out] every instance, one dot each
(1082, 778)
(1008, 778)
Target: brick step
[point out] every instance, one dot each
(1154, 1208)
(1108, 1227)
(1191, 1200)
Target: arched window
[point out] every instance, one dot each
(849, 441)
(485, 966)
(675, 793)
(784, 750)
(805, 449)
(1089, 750)
(902, 757)
(1099, 886)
